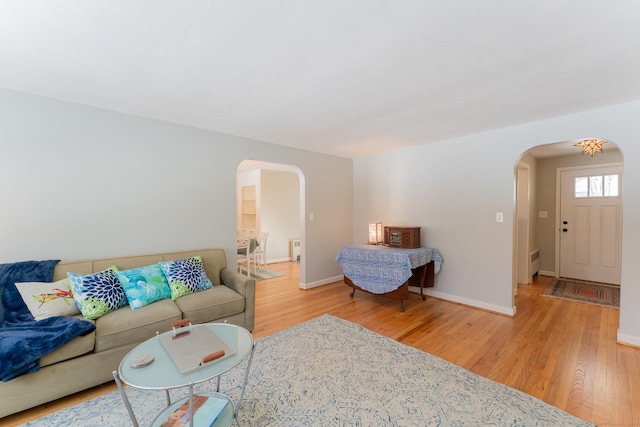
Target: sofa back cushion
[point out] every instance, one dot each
(213, 261)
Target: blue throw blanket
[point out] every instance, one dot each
(23, 341)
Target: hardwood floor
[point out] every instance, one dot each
(564, 353)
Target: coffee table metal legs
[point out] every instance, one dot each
(125, 399)
(244, 383)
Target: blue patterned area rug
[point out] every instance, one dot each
(331, 372)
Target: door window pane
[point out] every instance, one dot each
(611, 186)
(580, 186)
(596, 186)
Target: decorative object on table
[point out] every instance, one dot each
(142, 361)
(587, 292)
(402, 237)
(189, 350)
(375, 233)
(328, 371)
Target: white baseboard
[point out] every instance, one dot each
(320, 282)
(547, 273)
(509, 311)
(628, 339)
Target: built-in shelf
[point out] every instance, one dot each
(248, 206)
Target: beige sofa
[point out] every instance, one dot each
(88, 361)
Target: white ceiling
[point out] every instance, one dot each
(345, 77)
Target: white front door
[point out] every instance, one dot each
(591, 224)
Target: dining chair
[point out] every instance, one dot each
(260, 252)
(244, 260)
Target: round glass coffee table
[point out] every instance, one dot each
(164, 374)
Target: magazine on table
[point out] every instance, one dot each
(206, 410)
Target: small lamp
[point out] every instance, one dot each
(375, 233)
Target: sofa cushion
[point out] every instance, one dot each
(48, 299)
(212, 304)
(97, 294)
(74, 348)
(185, 276)
(144, 285)
(125, 326)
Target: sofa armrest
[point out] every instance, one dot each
(245, 286)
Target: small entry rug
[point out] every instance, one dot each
(331, 372)
(264, 273)
(589, 292)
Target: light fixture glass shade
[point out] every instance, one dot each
(591, 146)
(375, 233)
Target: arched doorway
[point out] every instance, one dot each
(277, 206)
(544, 231)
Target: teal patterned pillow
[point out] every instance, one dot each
(144, 285)
(97, 294)
(185, 276)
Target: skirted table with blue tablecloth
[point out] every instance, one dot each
(386, 271)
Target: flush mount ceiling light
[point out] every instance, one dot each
(591, 146)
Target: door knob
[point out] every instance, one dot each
(565, 222)
(564, 230)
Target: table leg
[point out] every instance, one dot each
(123, 394)
(191, 404)
(244, 383)
(426, 275)
(423, 275)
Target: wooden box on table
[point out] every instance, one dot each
(402, 237)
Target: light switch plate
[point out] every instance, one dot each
(499, 217)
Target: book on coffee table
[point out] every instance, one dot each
(194, 349)
(206, 410)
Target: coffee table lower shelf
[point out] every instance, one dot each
(224, 419)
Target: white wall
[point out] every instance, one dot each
(280, 211)
(454, 188)
(79, 182)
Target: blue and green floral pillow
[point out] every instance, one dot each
(185, 276)
(144, 285)
(97, 294)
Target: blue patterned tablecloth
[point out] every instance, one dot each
(380, 269)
